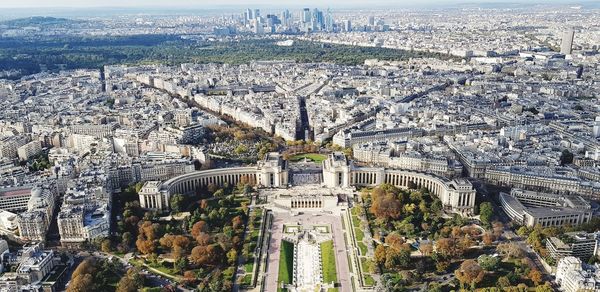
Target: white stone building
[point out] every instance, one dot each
(574, 276)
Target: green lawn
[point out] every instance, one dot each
(247, 280)
(318, 158)
(286, 262)
(369, 281)
(249, 265)
(356, 221)
(362, 247)
(328, 262)
(366, 264)
(359, 234)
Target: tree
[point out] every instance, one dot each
(487, 238)
(180, 264)
(386, 207)
(178, 244)
(231, 256)
(566, 157)
(449, 247)
(395, 241)
(207, 255)
(442, 265)
(81, 283)
(189, 277)
(105, 246)
(486, 212)
(547, 287)
(488, 263)
(198, 228)
(145, 242)
(503, 282)
(523, 231)
(131, 281)
(536, 276)
(434, 287)
(237, 222)
(176, 202)
(380, 254)
(426, 248)
(87, 266)
(212, 188)
(510, 250)
(93, 275)
(126, 239)
(498, 229)
(469, 273)
(396, 259)
(204, 239)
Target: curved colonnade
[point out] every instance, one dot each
(456, 195)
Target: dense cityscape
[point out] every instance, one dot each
(301, 149)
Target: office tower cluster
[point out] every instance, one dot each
(308, 20)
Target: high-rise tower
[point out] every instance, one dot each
(566, 46)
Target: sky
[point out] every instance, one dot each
(249, 3)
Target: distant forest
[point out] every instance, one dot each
(31, 55)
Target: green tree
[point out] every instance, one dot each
(486, 213)
(544, 288)
(503, 282)
(105, 246)
(131, 281)
(488, 263)
(176, 202)
(566, 157)
(180, 264)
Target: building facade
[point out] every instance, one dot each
(457, 195)
(579, 245)
(574, 276)
(532, 208)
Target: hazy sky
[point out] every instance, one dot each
(244, 3)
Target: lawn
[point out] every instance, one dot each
(328, 262)
(249, 266)
(369, 281)
(362, 247)
(359, 234)
(318, 158)
(366, 264)
(247, 280)
(356, 221)
(286, 262)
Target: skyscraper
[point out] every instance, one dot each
(348, 25)
(566, 47)
(256, 13)
(285, 17)
(372, 20)
(318, 21)
(306, 15)
(328, 21)
(249, 14)
(596, 128)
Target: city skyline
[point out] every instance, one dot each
(285, 3)
(337, 146)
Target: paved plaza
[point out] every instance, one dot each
(306, 253)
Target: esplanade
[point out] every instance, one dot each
(457, 195)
